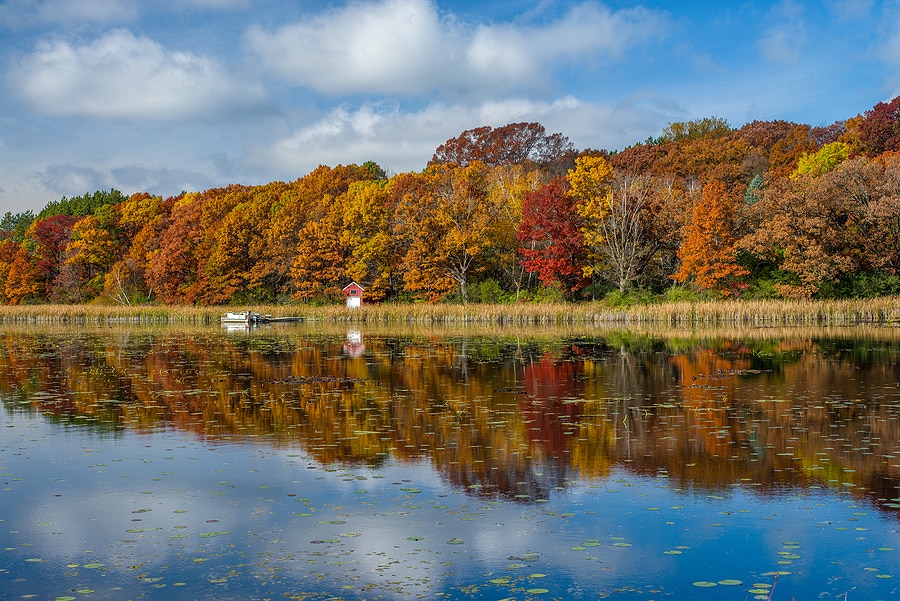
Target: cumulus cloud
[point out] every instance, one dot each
(395, 45)
(123, 76)
(587, 33)
(407, 47)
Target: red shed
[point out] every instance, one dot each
(354, 294)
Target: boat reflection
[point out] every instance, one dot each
(354, 346)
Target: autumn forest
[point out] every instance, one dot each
(772, 209)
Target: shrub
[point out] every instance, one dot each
(682, 294)
(489, 292)
(617, 298)
(549, 294)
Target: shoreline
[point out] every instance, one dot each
(884, 311)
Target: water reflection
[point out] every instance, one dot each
(513, 417)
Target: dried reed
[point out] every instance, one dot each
(767, 314)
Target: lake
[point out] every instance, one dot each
(316, 462)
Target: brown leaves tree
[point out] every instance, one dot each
(515, 143)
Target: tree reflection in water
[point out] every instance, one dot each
(497, 416)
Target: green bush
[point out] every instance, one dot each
(861, 285)
(549, 294)
(682, 294)
(489, 292)
(630, 298)
(761, 289)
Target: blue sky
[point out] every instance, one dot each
(171, 95)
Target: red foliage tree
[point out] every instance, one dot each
(880, 129)
(51, 236)
(173, 267)
(550, 236)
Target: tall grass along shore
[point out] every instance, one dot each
(769, 313)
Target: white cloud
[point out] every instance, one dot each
(406, 47)
(123, 76)
(391, 46)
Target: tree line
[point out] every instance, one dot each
(772, 209)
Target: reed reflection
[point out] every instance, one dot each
(510, 417)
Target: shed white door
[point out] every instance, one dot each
(353, 301)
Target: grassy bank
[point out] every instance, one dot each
(882, 311)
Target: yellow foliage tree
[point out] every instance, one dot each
(367, 236)
(93, 247)
(507, 186)
(590, 182)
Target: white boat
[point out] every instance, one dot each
(245, 317)
(249, 318)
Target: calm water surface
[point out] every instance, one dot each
(289, 463)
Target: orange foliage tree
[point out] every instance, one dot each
(8, 251)
(708, 253)
(321, 256)
(24, 279)
(450, 231)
